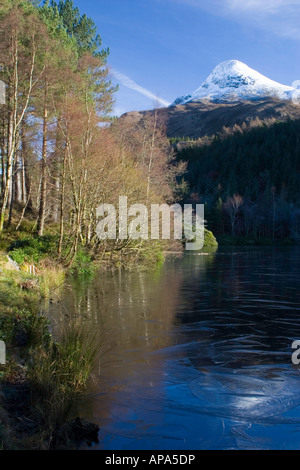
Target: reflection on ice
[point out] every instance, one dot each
(246, 397)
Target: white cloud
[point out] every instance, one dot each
(280, 17)
(129, 83)
(265, 6)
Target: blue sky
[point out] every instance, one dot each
(162, 49)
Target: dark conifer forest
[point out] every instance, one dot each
(249, 182)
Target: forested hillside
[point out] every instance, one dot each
(249, 181)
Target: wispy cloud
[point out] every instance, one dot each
(281, 17)
(266, 6)
(129, 83)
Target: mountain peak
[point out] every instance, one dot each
(233, 80)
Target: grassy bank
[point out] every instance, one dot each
(42, 378)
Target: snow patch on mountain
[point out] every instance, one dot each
(233, 80)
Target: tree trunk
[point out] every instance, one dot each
(3, 152)
(152, 145)
(19, 186)
(9, 171)
(62, 205)
(43, 194)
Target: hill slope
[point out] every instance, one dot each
(261, 167)
(197, 119)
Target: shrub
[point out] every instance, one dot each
(209, 239)
(82, 264)
(32, 250)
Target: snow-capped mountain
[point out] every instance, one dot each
(233, 95)
(233, 80)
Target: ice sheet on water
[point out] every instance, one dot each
(248, 394)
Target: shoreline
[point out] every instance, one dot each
(31, 416)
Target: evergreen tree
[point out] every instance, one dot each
(82, 28)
